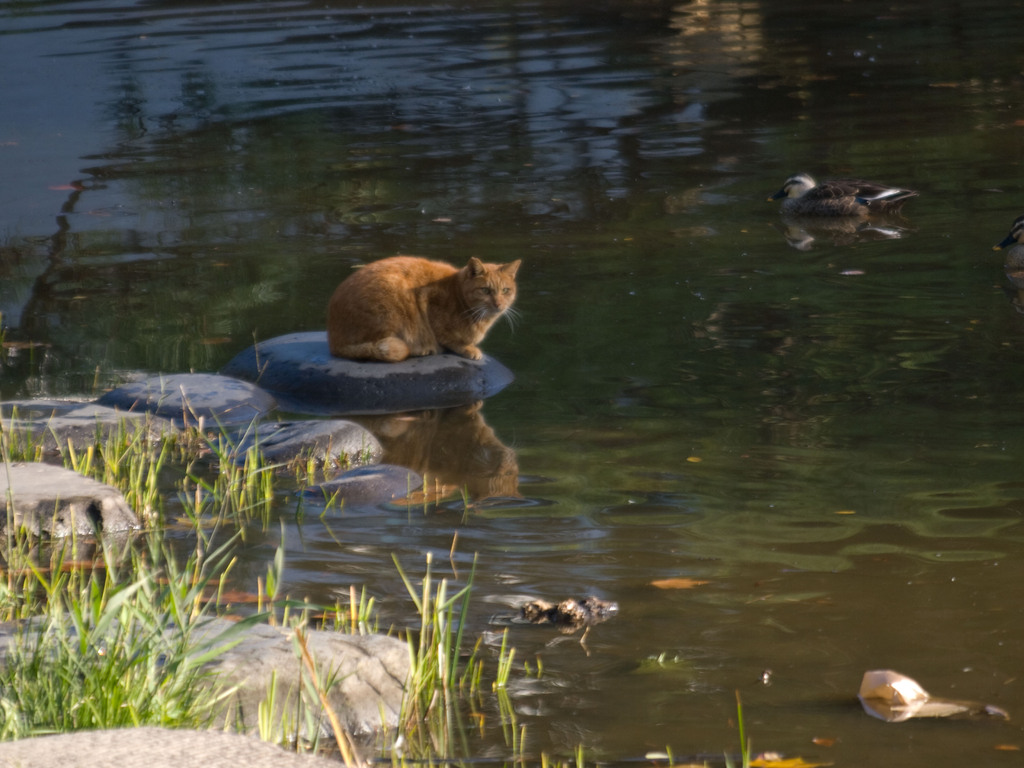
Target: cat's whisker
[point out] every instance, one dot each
(512, 316)
(475, 314)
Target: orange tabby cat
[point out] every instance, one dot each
(406, 306)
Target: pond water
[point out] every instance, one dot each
(822, 427)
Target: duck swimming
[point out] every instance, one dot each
(801, 195)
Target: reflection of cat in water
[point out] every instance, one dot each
(453, 447)
(406, 306)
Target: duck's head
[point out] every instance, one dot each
(1016, 234)
(795, 186)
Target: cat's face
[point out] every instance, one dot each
(489, 289)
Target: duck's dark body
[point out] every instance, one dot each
(803, 196)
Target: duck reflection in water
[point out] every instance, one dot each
(451, 448)
(801, 232)
(1013, 262)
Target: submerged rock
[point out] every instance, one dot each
(367, 486)
(302, 374)
(185, 398)
(284, 441)
(55, 424)
(58, 502)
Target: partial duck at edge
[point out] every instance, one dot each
(1013, 262)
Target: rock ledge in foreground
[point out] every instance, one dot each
(370, 673)
(154, 748)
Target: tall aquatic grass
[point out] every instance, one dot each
(113, 641)
(112, 647)
(745, 745)
(430, 720)
(235, 494)
(211, 483)
(129, 461)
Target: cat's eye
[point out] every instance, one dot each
(506, 291)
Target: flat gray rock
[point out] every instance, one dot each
(185, 398)
(302, 374)
(58, 502)
(370, 673)
(284, 441)
(367, 486)
(153, 748)
(54, 424)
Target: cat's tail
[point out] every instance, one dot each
(388, 350)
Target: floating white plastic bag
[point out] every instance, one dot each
(893, 697)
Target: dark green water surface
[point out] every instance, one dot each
(823, 426)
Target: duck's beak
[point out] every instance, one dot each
(1003, 243)
(777, 196)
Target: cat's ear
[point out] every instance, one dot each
(511, 268)
(475, 267)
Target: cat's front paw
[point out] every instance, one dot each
(473, 353)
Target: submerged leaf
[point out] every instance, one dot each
(777, 761)
(234, 596)
(680, 583)
(666, 756)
